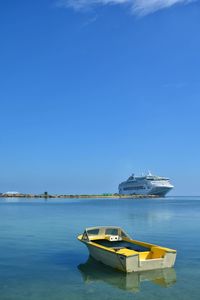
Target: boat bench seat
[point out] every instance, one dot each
(157, 252)
(127, 252)
(145, 255)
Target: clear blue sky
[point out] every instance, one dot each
(93, 92)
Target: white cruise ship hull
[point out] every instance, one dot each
(157, 191)
(160, 191)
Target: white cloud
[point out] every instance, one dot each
(139, 7)
(144, 7)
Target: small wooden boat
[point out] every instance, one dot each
(115, 248)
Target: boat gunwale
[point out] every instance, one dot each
(127, 239)
(135, 253)
(106, 248)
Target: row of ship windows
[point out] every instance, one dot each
(134, 188)
(150, 179)
(157, 179)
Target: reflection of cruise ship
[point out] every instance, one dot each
(93, 271)
(145, 185)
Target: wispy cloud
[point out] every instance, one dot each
(143, 7)
(139, 7)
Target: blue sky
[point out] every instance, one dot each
(92, 91)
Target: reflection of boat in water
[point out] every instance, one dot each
(93, 271)
(113, 247)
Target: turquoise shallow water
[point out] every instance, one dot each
(40, 257)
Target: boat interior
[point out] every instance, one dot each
(115, 239)
(116, 245)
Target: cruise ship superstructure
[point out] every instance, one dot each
(145, 185)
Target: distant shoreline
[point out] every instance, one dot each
(103, 196)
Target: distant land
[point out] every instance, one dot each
(46, 195)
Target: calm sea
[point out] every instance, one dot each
(41, 259)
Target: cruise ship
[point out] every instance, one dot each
(145, 185)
